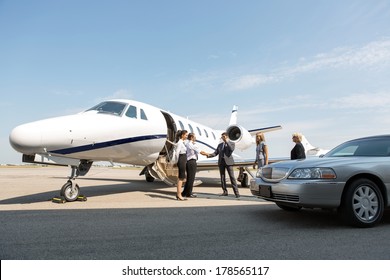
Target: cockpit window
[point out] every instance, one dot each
(143, 115)
(109, 107)
(132, 112)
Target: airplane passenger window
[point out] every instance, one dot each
(200, 133)
(207, 135)
(181, 125)
(143, 115)
(109, 107)
(191, 129)
(132, 112)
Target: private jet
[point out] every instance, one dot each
(312, 151)
(127, 132)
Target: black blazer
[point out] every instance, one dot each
(298, 152)
(224, 154)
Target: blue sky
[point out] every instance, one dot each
(317, 67)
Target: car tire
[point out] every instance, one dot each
(288, 208)
(362, 204)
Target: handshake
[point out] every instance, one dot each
(204, 154)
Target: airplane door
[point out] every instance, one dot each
(163, 168)
(171, 133)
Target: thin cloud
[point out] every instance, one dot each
(119, 94)
(363, 101)
(213, 56)
(68, 93)
(371, 56)
(248, 81)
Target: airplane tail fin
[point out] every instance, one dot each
(233, 117)
(306, 144)
(310, 150)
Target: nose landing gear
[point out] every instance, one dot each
(70, 190)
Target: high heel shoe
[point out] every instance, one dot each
(180, 198)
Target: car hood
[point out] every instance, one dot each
(345, 166)
(327, 162)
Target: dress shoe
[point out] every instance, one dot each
(224, 194)
(192, 195)
(237, 195)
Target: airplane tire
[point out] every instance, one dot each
(69, 194)
(149, 178)
(245, 181)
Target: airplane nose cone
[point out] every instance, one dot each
(25, 139)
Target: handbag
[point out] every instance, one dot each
(174, 157)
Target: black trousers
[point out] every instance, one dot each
(222, 171)
(191, 172)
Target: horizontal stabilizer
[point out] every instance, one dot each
(265, 129)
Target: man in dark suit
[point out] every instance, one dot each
(226, 162)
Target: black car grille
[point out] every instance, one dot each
(279, 196)
(285, 197)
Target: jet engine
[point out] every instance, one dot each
(240, 136)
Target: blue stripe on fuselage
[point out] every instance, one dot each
(207, 145)
(107, 144)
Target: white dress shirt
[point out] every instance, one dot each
(181, 147)
(192, 150)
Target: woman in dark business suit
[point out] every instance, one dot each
(181, 150)
(298, 152)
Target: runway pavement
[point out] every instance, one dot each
(126, 218)
(32, 188)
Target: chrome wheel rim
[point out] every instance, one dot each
(365, 203)
(71, 193)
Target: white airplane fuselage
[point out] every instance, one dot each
(101, 136)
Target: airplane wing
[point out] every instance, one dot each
(264, 129)
(242, 164)
(238, 162)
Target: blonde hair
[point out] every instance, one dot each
(298, 135)
(262, 137)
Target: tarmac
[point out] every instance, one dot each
(34, 187)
